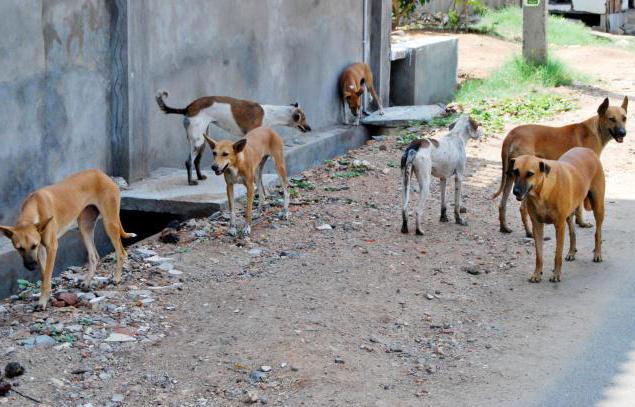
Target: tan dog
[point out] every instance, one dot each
(242, 162)
(552, 190)
(50, 212)
(353, 81)
(551, 142)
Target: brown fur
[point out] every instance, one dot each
(248, 114)
(552, 190)
(50, 211)
(242, 161)
(551, 142)
(352, 82)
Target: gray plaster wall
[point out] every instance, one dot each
(273, 51)
(55, 93)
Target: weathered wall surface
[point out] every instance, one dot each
(54, 88)
(274, 52)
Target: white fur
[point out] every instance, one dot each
(277, 115)
(443, 162)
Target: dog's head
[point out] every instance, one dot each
(299, 118)
(468, 126)
(225, 153)
(613, 119)
(529, 173)
(353, 97)
(26, 240)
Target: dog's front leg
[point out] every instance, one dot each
(572, 243)
(47, 272)
(230, 205)
(344, 112)
(557, 269)
(458, 182)
(538, 233)
(250, 206)
(579, 217)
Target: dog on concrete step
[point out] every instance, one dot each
(355, 79)
(442, 159)
(236, 116)
(50, 212)
(242, 162)
(552, 191)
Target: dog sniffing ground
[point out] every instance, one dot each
(334, 307)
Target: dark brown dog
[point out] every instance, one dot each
(551, 142)
(552, 190)
(353, 81)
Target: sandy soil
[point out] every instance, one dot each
(358, 315)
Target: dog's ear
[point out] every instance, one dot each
(625, 104)
(296, 104)
(544, 167)
(603, 107)
(296, 117)
(7, 230)
(240, 145)
(41, 226)
(210, 141)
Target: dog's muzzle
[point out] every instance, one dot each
(520, 194)
(30, 264)
(217, 170)
(618, 134)
(304, 129)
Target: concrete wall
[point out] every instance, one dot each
(274, 52)
(55, 92)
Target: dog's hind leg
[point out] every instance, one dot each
(458, 183)
(502, 208)
(524, 216)
(86, 221)
(579, 217)
(572, 242)
(188, 167)
(443, 182)
(278, 159)
(109, 210)
(423, 173)
(262, 191)
(596, 196)
(197, 162)
(405, 194)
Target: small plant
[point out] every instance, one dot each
(293, 192)
(28, 285)
(392, 164)
(86, 321)
(402, 9)
(302, 183)
(406, 137)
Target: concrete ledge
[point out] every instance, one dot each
(167, 191)
(423, 71)
(400, 116)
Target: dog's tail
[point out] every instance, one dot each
(165, 108)
(124, 234)
(505, 164)
(406, 173)
(588, 202)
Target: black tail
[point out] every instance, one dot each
(165, 108)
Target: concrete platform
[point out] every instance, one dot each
(398, 116)
(423, 71)
(167, 191)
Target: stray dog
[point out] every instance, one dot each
(242, 162)
(551, 142)
(353, 81)
(50, 212)
(235, 116)
(552, 191)
(440, 158)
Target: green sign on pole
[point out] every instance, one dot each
(532, 3)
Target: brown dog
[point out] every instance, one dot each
(551, 142)
(50, 212)
(242, 162)
(353, 81)
(552, 190)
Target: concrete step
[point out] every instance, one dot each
(398, 116)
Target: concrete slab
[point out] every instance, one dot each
(167, 191)
(398, 116)
(423, 71)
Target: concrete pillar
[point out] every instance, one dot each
(535, 32)
(380, 27)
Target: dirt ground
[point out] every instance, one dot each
(300, 314)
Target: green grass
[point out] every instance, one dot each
(517, 92)
(507, 23)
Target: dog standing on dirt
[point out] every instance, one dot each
(552, 190)
(551, 142)
(50, 212)
(235, 116)
(242, 162)
(353, 81)
(441, 158)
